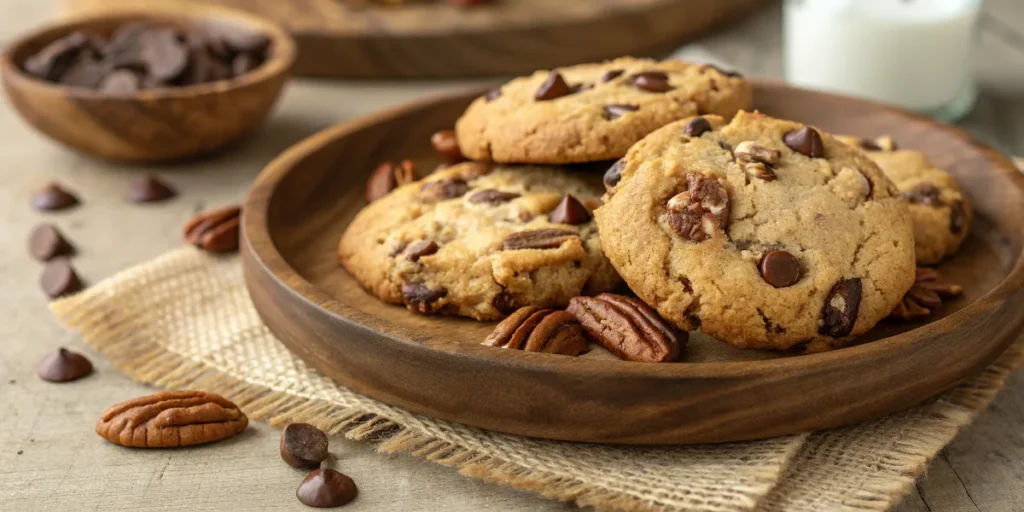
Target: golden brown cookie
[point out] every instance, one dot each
(593, 112)
(481, 242)
(763, 233)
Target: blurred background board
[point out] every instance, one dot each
(430, 39)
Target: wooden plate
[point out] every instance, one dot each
(301, 203)
(337, 38)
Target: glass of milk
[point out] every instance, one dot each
(913, 53)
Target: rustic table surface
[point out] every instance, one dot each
(50, 459)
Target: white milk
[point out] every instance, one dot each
(913, 53)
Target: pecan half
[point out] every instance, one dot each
(535, 329)
(387, 177)
(925, 296)
(170, 419)
(628, 328)
(537, 239)
(215, 231)
(701, 210)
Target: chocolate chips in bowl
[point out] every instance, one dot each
(147, 55)
(149, 86)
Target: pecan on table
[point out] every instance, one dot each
(171, 419)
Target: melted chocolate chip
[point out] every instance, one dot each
(839, 314)
(652, 81)
(780, 269)
(612, 112)
(806, 141)
(612, 75)
(697, 126)
(614, 174)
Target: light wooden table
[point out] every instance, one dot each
(50, 459)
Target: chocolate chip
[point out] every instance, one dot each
(780, 269)
(957, 218)
(570, 211)
(243, 64)
(652, 81)
(444, 189)
(614, 174)
(87, 70)
(59, 279)
(504, 302)
(303, 445)
(446, 146)
(56, 58)
(806, 141)
(149, 189)
(551, 238)
(616, 111)
(697, 127)
(63, 366)
(493, 94)
(553, 87)
(53, 197)
(419, 298)
(46, 242)
(326, 488)
(164, 53)
(121, 81)
(839, 314)
(422, 248)
(612, 74)
(492, 196)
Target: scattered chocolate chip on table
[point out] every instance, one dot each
(150, 189)
(54, 197)
(326, 488)
(59, 279)
(303, 445)
(46, 243)
(64, 366)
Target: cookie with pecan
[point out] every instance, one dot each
(592, 112)
(481, 241)
(940, 209)
(763, 233)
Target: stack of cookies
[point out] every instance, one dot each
(629, 202)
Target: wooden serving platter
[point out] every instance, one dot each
(301, 203)
(350, 39)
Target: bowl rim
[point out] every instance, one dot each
(280, 60)
(271, 262)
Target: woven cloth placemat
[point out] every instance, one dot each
(184, 320)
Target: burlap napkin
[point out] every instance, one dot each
(185, 320)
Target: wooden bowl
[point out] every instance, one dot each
(301, 203)
(155, 124)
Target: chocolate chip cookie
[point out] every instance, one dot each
(481, 241)
(593, 112)
(941, 211)
(763, 233)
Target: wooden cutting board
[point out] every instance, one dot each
(348, 39)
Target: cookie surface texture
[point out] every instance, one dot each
(593, 112)
(763, 233)
(481, 241)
